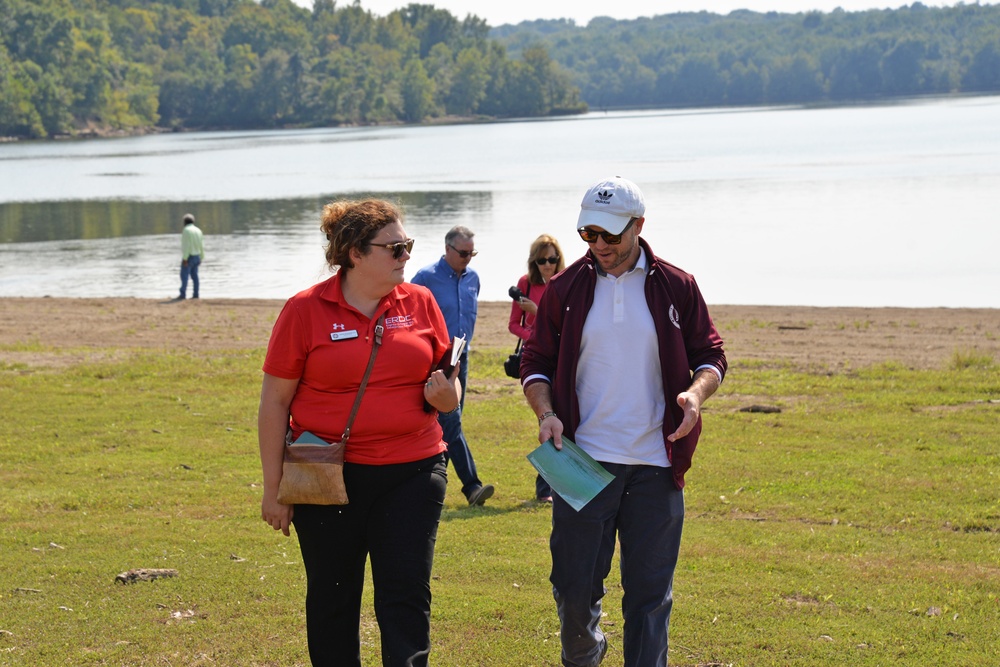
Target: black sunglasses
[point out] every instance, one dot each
(396, 248)
(551, 260)
(590, 236)
(464, 254)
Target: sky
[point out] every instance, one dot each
(498, 12)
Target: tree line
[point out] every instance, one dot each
(79, 66)
(751, 58)
(70, 66)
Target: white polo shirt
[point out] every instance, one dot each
(619, 383)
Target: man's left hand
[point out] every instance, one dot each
(691, 405)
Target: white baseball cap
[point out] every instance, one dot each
(610, 204)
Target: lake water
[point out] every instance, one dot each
(893, 205)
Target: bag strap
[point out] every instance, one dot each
(524, 318)
(379, 330)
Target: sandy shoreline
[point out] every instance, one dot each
(835, 338)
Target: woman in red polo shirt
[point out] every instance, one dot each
(394, 466)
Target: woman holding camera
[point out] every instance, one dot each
(544, 261)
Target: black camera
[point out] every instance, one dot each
(515, 294)
(512, 366)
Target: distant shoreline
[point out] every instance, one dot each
(94, 132)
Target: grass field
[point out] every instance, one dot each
(860, 525)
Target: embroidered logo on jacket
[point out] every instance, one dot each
(675, 318)
(339, 327)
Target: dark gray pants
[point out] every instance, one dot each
(645, 511)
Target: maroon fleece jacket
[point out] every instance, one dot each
(687, 339)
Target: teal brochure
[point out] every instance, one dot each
(571, 472)
(308, 438)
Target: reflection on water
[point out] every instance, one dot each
(255, 248)
(90, 220)
(28, 222)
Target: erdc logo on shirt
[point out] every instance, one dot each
(399, 322)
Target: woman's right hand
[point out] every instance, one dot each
(527, 305)
(272, 424)
(275, 514)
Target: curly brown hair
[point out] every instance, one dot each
(351, 225)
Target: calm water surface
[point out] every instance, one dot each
(864, 206)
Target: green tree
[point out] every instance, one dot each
(51, 99)
(746, 84)
(236, 106)
(18, 116)
(417, 92)
(274, 88)
(558, 93)
(353, 25)
(984, 71)
(392, 33)
(794, 79)
(522, 94)
(431, 26)
(88, 77)
(699, 82)
(856, 72)
(440, 66)
(191, 77)
(134, 98)
(468, 85)
(36, 32)
(902, 67)
(251, 25)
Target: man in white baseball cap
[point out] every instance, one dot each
(622, 356)
(608, 211)
(610, 204)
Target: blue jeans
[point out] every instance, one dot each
(191, 269)
(458, 448)
(645, 510)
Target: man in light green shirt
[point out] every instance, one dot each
(192, 252)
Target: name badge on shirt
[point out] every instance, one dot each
(344, 335)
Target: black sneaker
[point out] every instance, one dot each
(480, 495)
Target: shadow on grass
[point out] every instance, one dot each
(466, 513)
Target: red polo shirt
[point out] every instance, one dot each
(313, 342)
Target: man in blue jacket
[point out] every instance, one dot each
(622, 357)
(456, 289)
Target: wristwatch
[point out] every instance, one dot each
(545, 415)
